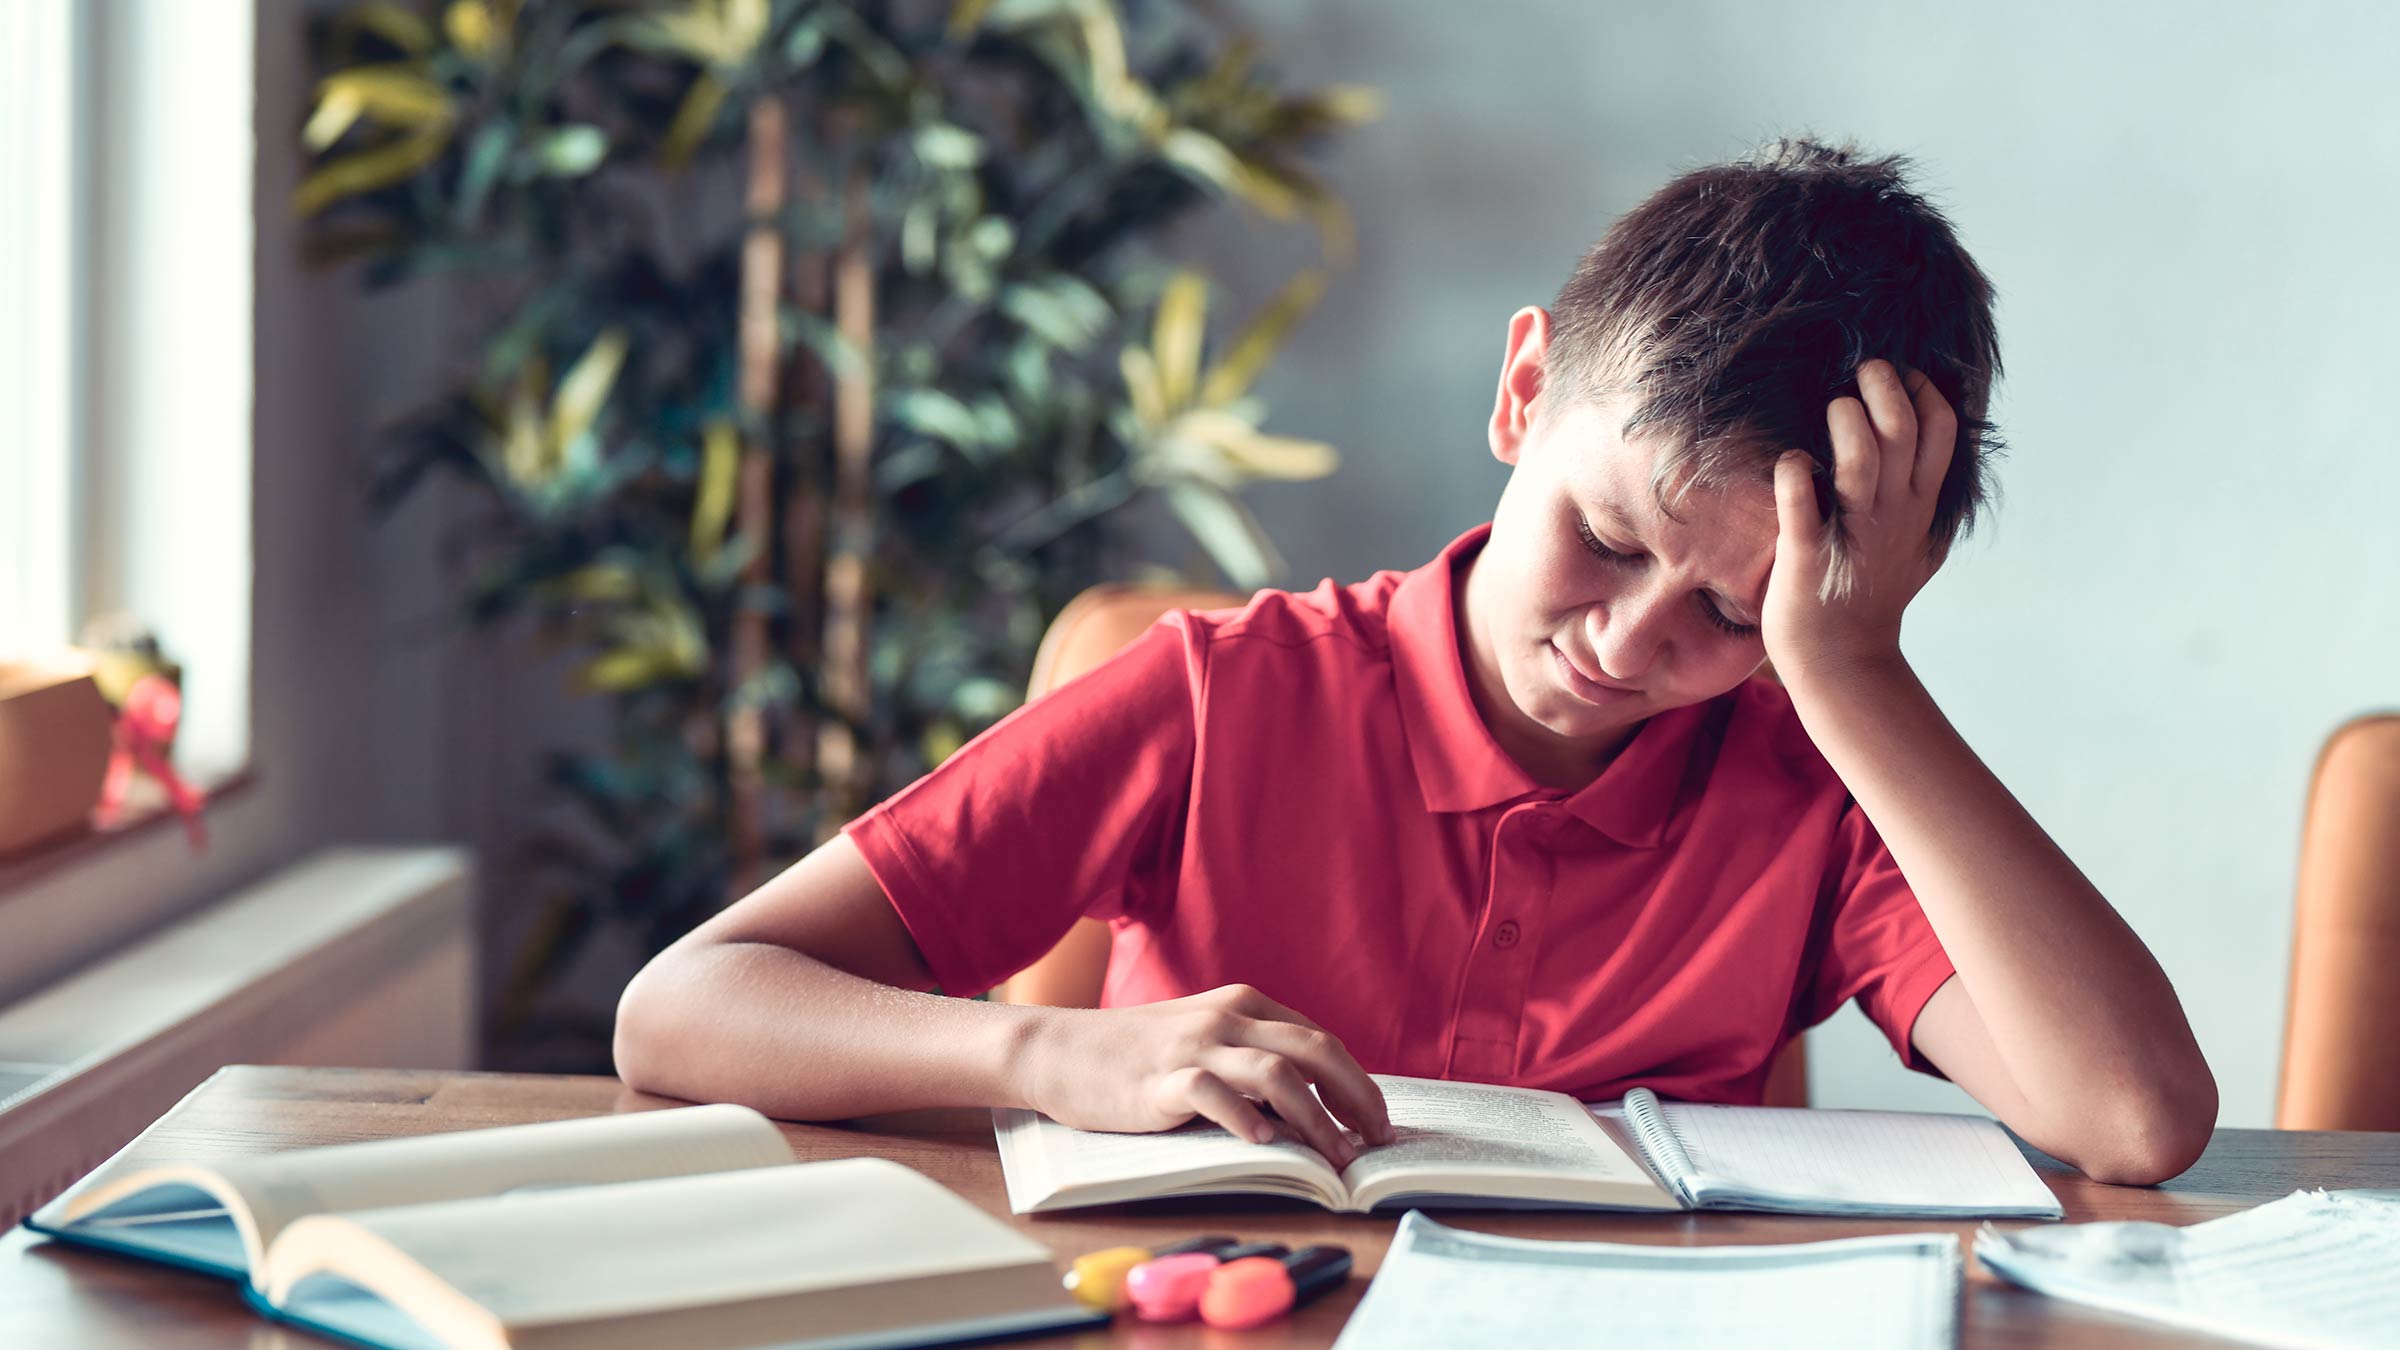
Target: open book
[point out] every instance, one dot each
(1474, 1144)
(690, 1227)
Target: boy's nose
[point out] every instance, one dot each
(1626, 639)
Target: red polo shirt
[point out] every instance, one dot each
(1299, 795)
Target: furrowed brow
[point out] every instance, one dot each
(1727, 603)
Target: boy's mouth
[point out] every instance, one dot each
(1586, 687)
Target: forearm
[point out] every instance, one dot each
(2085, 1022)
(771, 1028)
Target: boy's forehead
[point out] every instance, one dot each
(1726, 528)
(1601, 463)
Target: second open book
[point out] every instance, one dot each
(1473, 1144)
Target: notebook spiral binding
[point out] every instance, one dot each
(1660, 1143)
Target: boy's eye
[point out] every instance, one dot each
(1708, 608)
(1592, 541)
(1724, 625)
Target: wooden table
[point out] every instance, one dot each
(53, 1295)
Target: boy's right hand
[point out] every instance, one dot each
(1217, 1054)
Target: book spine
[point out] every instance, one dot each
(1660, 1144)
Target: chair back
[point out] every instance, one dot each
(2339, 1069)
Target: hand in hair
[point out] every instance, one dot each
(1836, 592)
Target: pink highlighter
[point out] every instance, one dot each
(1168, 1288)
(1257, 1290)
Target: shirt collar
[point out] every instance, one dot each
(1459, 767)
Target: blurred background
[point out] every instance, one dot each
(614, 443)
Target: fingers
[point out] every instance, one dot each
(1895, 418)
(1937, 437)
(1278, 1081)
(1857, 457)
(1798, 522)
(1339, 1078)
(1221, 1102)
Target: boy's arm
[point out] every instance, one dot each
(806, 1001)
(2059, 1020)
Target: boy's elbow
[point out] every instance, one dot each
(2156, 1136)
(636, 1044)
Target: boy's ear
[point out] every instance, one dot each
(1522, 379)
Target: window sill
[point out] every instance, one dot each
(358, 956)
(151, 813)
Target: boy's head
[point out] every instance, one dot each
(1704, 335)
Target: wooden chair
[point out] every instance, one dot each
(1093, 627)
(2339, 1068)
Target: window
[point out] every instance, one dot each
(42, 53)
(125, 341)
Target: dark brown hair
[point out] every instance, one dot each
(1739, 299)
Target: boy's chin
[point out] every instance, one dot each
(1569, 718)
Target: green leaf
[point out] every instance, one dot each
(395, 94)
(486, 154)
(337, 111)
(1250, 353)
(1177, 331)
(712, 504)
(842, 360)
(584, 390)
(804, 44)
(572, 151)
(368, 170)
(936, 414)
(1226, 530)
(944, 146)
(984, 700)
(693, 120)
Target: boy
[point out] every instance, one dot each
(1528, 814)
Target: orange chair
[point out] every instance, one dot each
(2339, 1071)
(1093, 627)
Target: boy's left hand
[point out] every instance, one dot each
(1891, 452)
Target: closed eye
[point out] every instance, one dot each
(1592, 542)
(1708, 608)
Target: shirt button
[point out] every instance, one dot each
(1505, 936)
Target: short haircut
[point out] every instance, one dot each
(1739, 299)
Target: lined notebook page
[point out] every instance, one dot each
(1881, 1158)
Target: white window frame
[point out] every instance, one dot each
(126, 388)
(45, 54)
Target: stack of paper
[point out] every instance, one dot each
(2315, 1268)
(1446, 1287)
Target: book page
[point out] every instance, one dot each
(1881, 1159)
(1041, 1158)
(1440, 1287)
(2314, 1268)
(599, 1252)
(1457, 1132)
(281, 1187)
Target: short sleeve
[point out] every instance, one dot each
(1878, 947)
(1071, 806)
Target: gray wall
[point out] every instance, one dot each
(2193, 575)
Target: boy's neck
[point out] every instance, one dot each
(1552, 760)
